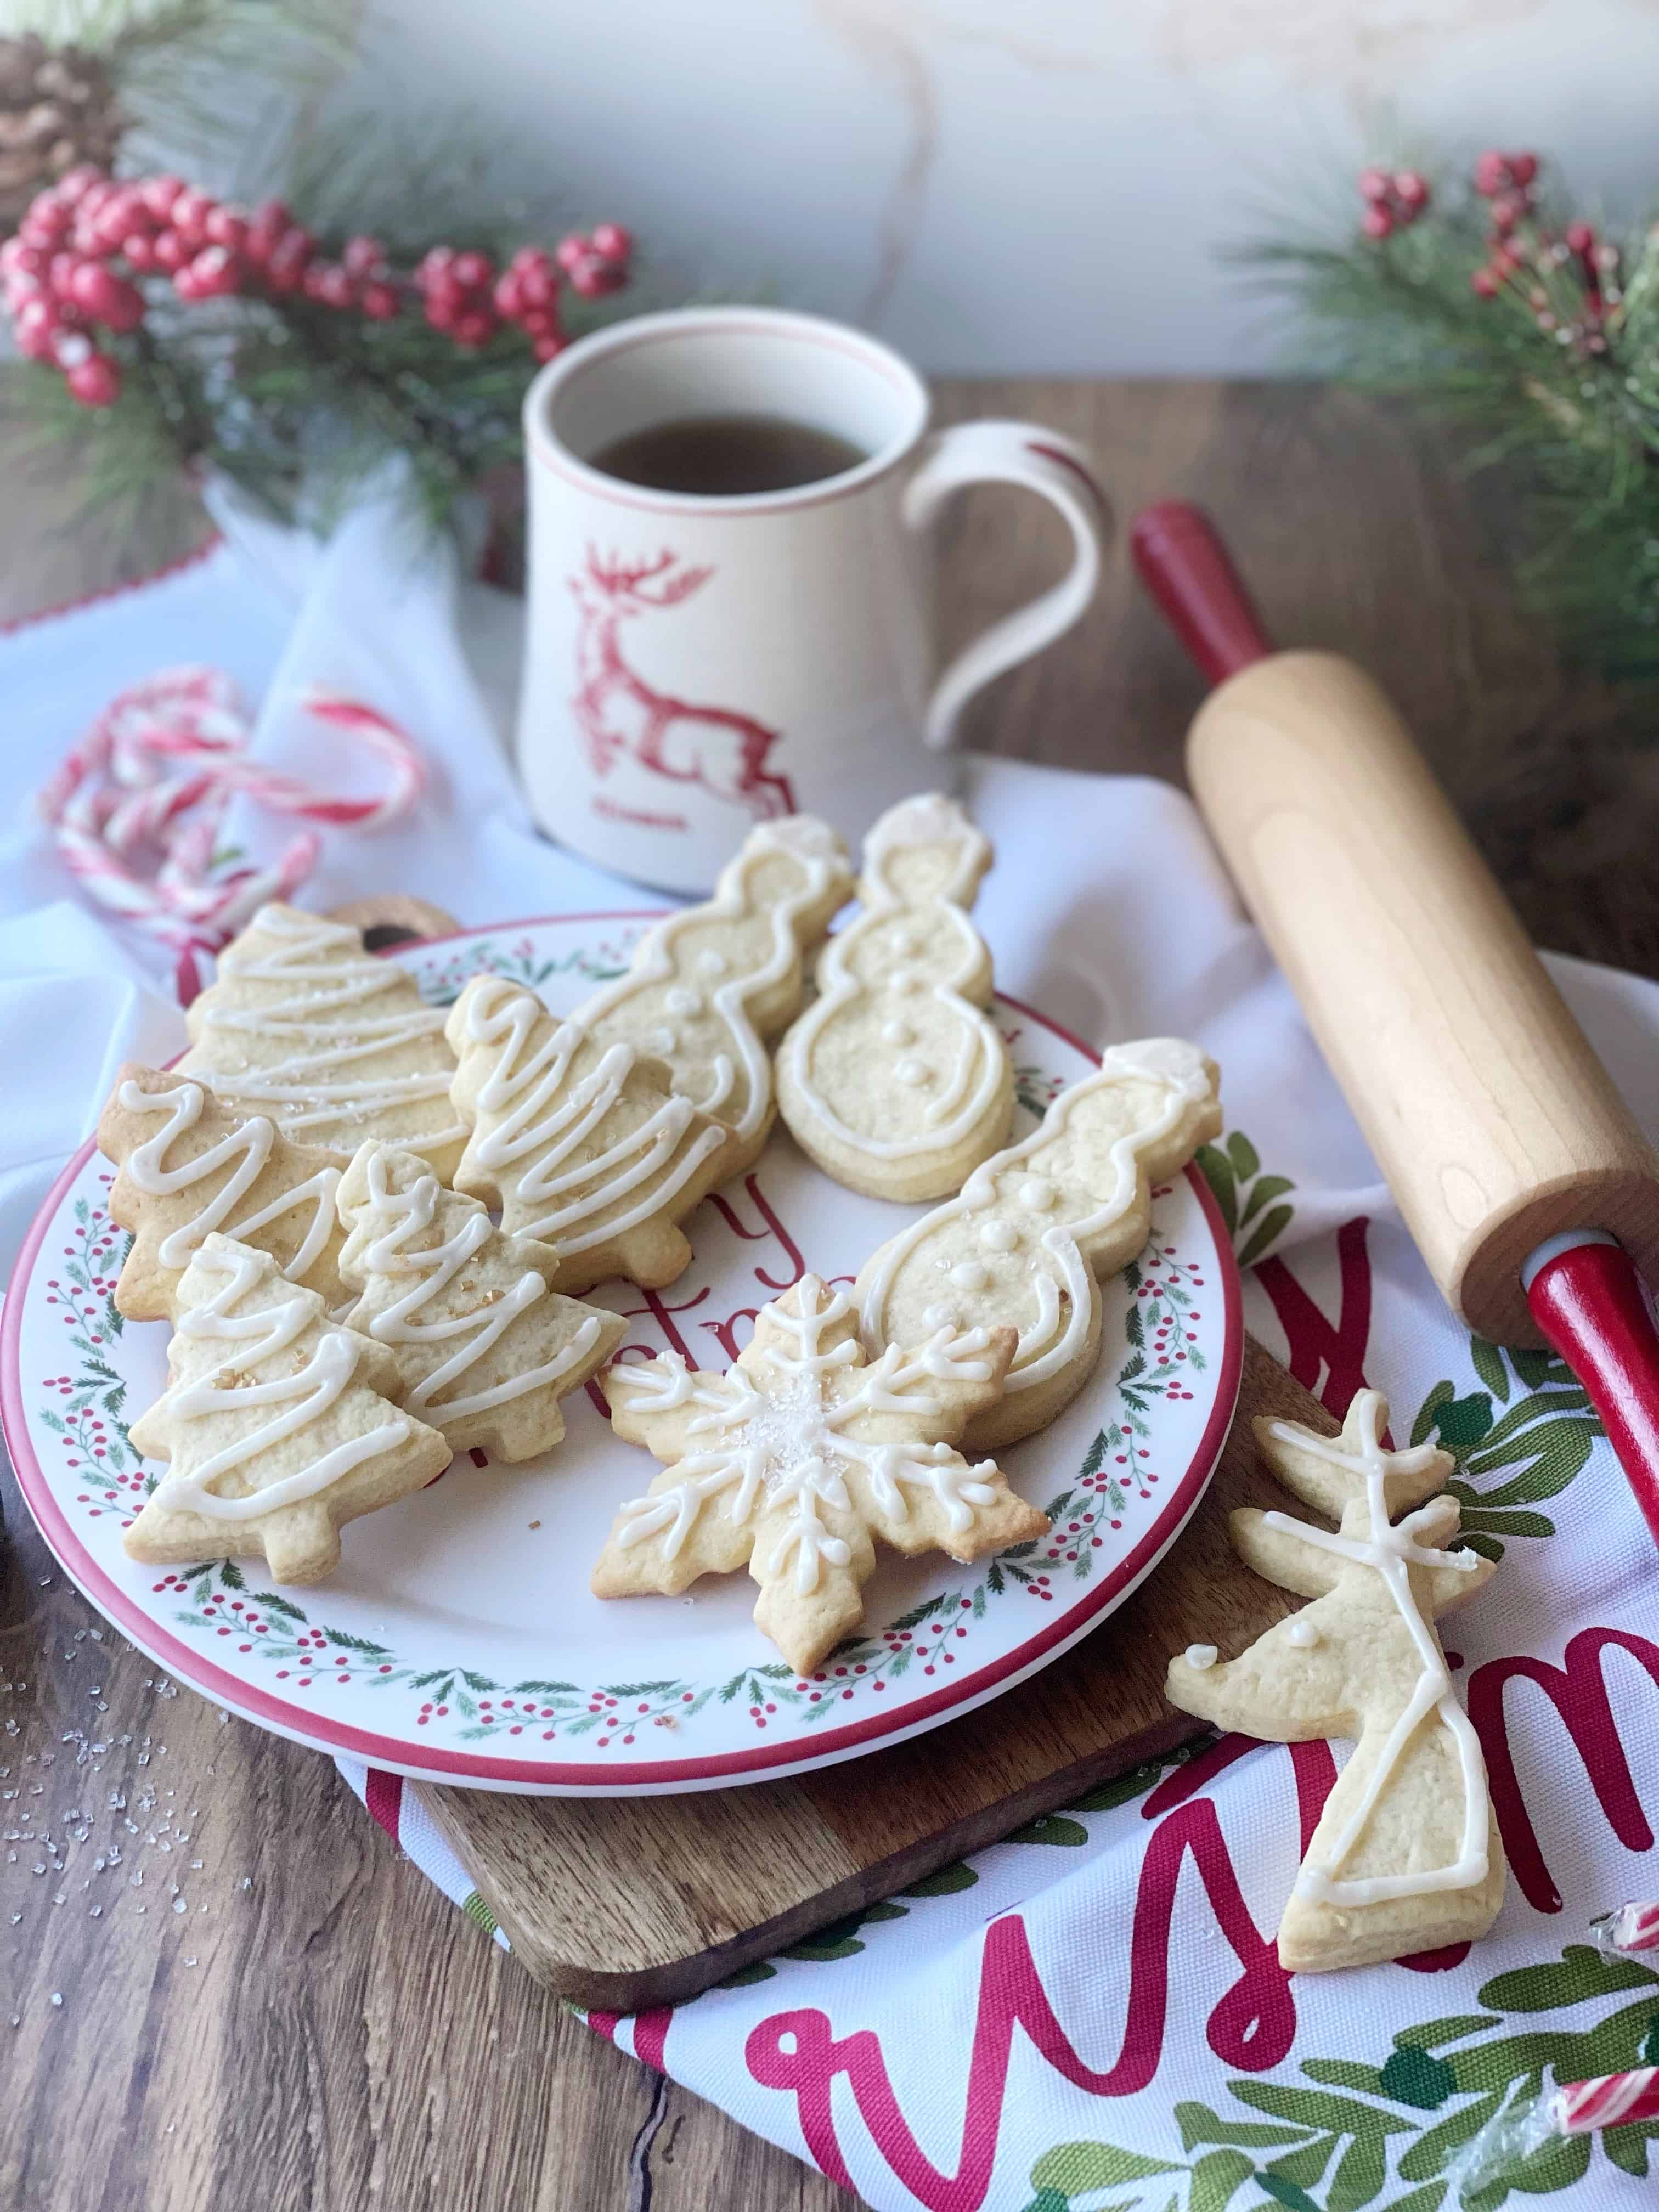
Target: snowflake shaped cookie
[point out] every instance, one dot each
(801, 1454)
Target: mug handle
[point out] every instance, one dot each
(1043, 461)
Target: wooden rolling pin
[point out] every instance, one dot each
(1528, 1186)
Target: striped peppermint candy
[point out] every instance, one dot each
(153, 778)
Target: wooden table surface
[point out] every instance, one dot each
(256, 2004)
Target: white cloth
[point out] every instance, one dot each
(1089, 2015)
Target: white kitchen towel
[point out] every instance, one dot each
(1090, 2016)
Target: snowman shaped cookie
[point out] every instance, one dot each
(708, 985)
(1036, 1229)
(895, 1080)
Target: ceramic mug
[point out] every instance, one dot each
(695, 665)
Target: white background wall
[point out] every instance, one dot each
(1019, 184)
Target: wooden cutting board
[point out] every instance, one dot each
(627, 1902)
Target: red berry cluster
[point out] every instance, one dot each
(74, 266)
(1506, 179)
(1393, 200)
(1569, 284)
(464, 295)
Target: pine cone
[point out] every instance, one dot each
(57, 108)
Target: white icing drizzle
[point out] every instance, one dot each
(939, 927)
(783, 1440)
(1391, 1551)
(249, 1146)
(330, 1078)
(970, 1275)
(541, 1117)
(1201, 1655)
(303, 1397)
(1049, 1342)
(401, 1246)
(999, 1237)
(729, 1074)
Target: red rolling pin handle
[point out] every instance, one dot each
(1586, 1295)
(1189, 572)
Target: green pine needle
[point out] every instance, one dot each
(1579, 433)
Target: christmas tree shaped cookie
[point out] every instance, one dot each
(707, 986)
(1036, 1229)
(335, 1044)
(189, 1166)
(275, 1424)
(798, 1457)
(577, 1143)
(1405, 1857)
(485, 1351)
(895, 1080)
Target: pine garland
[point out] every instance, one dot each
(1541, 334)
(296, 347)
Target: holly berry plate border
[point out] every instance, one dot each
(1120, 1475)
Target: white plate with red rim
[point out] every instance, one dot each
(459, 1641)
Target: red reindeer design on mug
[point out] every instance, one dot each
(621, 716)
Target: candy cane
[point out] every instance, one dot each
(1578, 2108)
(1631, 1928)
(1522, 2125)
(156, 772)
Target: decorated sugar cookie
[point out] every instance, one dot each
(188, 1166)
(276, 1424)
(895, 1080)
(1034, 1230)
(1406, 1855)
(485, 1351)
(334, 1044)
(709, 985)
(577, 1143)
(798, 1456)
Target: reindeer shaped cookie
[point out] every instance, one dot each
(1405, 1857)
(897, 1081)
(622, 716)
(577, 1143)
(1036, 1228)
(710, 984)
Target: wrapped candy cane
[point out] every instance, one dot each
(1631, 1928)
(156, 773)
(1519, 2131)
(1576, 2108)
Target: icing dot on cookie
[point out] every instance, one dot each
(939, 1317)
(968, 1275)
(710, 963)
(1037, 1193)
(912, 1070)
(662, 1040)
(904, 940)
(1303, 1634)
(1201, 1655)
(679, 1000)
(903, 980)
(998, 1237)
(897, 1033)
